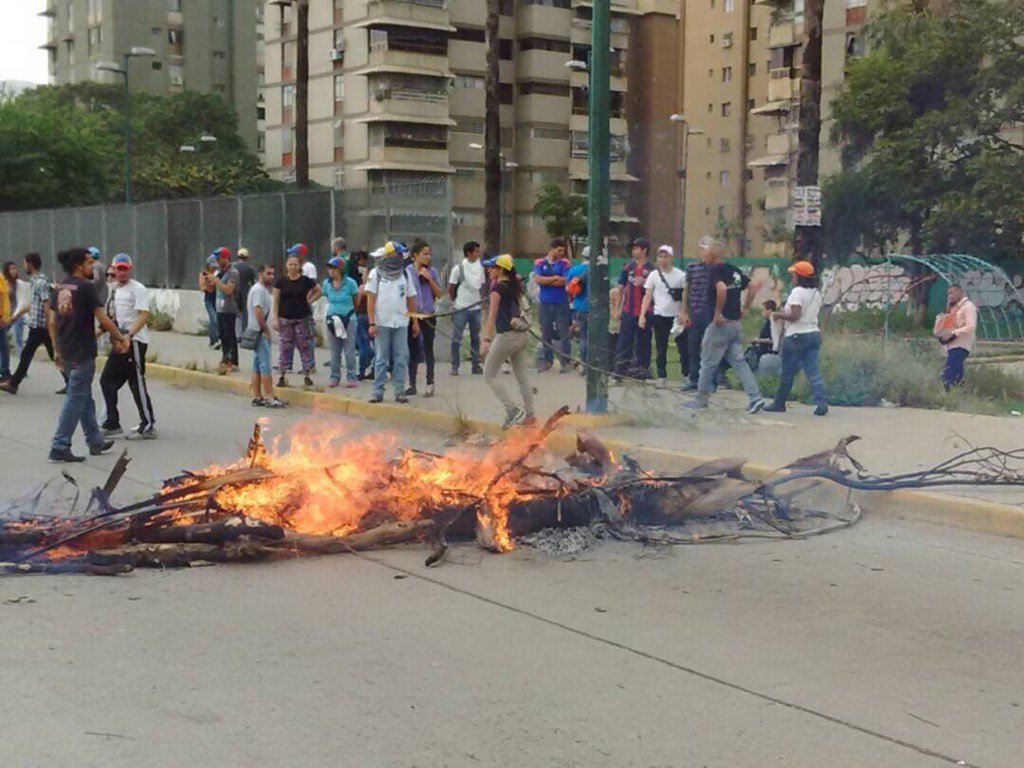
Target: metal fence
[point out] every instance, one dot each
(170, 239)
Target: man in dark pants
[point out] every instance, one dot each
(37, 310)
(554, 314)
(225, 282)
(698, 308)
(633, 356)
(246, 280)
(73, 326)
(955, 329)
(131, 314)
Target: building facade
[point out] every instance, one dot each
(210, 46)
(396, 98)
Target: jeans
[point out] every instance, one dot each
(393, 350)
(555, 320)
(346, 345)
(78, 408)
(211, 318)
(662, 331)
(18, 328)
(121, 368)
(421, 350)
(513, 346)
(363, 342)
(798, 351)
(633, 355)
(5, 355)
(953, 373)
(37, 337)
(228, 337)
(582, 320)
(463, 318)
(694, 339)
(725, 342)
(261, 356)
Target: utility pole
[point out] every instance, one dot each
(807, 239)
(493, 212)
(597, 204)
(302, 94)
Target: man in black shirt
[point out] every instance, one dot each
(73, 327)
(723, 338)
(246, 280)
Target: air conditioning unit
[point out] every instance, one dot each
(177, 80)
(727, 41)
(337, 54)
(382, 93)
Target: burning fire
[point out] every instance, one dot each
(323, 483)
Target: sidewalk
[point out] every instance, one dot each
(894, 439)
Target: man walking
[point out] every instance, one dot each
(698, 306)
(955, 329)
(260, 304)
(465, 284)
(555, 316)
(246, 280)
(131, 314)
(390, 297)
(73, 327)
(37, 310)
(723, 338)
(225, 281)
(633, 356)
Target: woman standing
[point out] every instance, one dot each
(19, 295)
(292, 312)
(341, 291)
(504, 338)
(209, 289)
(428, 290)
(664, 288)
(358, 269)
(801, 342)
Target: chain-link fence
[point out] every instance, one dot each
(169, 240)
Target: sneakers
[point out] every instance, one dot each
(258, 402)
(506, 368)
(333, 384)
(275, 402)
(429, 391)
(307, 381)
(529, 421)
(282, 382)
(513, 417)
(773, 408)
(65, 456)
(350, 384)
(8, 387)
(112, 432)
(695, 404)
(821, 410)
(688, 386)
(377, 399)
(99, 450)
(454, 372)
(402, 399)
(147, 432)
(409, 391)
(565, 368)
(215, 345)
(756, 406)
(543, 367)
(62, 391)
(478, 370)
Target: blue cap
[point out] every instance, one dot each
(94, 251)
(122, 261)
(299, 249)
(336, 262)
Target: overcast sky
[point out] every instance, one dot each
(21, 34)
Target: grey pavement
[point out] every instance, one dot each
(886, 645)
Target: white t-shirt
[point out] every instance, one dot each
(469, 276)
(664, 305)
(809, 300)
(391, 308)
(309, 269)
(130, 299)
(259, 296)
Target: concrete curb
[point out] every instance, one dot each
(953, 511)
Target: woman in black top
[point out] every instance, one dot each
(504, 338)
(294, 294)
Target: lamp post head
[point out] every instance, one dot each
(136, 50)
(677, 118)
(187, 148)
(208, 138)
(475, 145)
(106, 66)
(576, 65)
(695, 131)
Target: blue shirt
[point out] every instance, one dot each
(581, 303)
(340, 300)
(550, 294)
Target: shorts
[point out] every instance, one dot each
(261, 356)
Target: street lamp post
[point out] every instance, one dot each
(684, 166)
(506, 165)
(133, 53)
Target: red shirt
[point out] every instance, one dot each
(632, 280)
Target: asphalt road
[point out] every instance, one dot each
(889, 644)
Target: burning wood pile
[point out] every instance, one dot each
(324, 496)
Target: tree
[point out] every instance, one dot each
(922, 121)
(807, 240)
(732, 232)
(492, 132)
(564, 215)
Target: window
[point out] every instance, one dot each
(730, 6)
(711, 108)
(174, 6)
(753, 34)
(723, 145)
(469, 81)
(176, 75)
(339, 87)
(95, 40)
(726, 108)
(711, 73)
(175, 42)
(218, 22)
(549, 3)
(723, 178)
(339, 37)
(95, 10)
(287, 96)
(157, 65)
(711, 38)
(545, 89)
(751, 69)
(543, 44)
(557, 134)
(726, 74)
(71, 18)
(751, 103)
(712, 4)
(339, 133)
(727, 39)
(469, 35)
(219, 55)
(220, 88)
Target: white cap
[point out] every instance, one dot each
(667, 249)
(379, 253)
(586, 252)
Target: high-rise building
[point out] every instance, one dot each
(211, 46)
(396, 95)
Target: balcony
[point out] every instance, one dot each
(407, 157)
(780, 84)
(581, 122)
(542, 21)
(777, 195)
(544, 153)
(782, 34)
(780, 143)
(541, 108)
(548, 66)
(466, 57)
(430, 14)
(408, 103)
(428, 59)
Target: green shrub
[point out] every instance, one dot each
(160, 321)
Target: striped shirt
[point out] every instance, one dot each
(699, 290)
(40, 293)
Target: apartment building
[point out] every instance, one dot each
(396, 97)
(211, 46)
